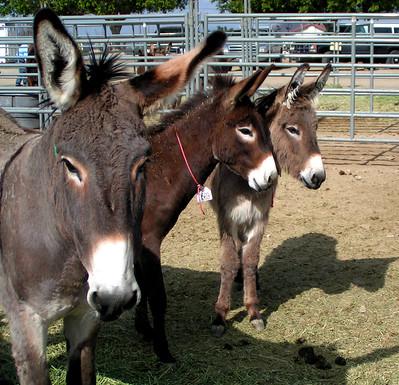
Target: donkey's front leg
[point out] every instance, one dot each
(229, 265)
(250, 261)
(80, 330)
(141, 320)
(29, 341)
(153, 284)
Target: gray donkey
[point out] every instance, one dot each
(72, 201)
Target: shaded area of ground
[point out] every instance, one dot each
(329, 276)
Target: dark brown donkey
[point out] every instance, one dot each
(290, 116)
(222, 127)
(72, 202)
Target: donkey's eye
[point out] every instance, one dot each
(245, 131)
(138, 169)
(72, 169)
(293, 130)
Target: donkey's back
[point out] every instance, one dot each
(12, 137)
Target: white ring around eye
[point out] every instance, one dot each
(295, 135)
(246, 133)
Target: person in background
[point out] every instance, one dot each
(22, 54)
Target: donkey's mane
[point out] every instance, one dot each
(219, 83)
(100, 71)
(222, 82)
(172, 117)
(266, 101)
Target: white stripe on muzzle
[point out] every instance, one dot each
(112, 271)
(314, 166)
(264, 175)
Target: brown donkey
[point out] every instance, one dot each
(221, 127)
(242, 213)
(72, 202)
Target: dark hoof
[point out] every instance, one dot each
(258, 324)
(166, 358)
(218, 330)
(219, 326)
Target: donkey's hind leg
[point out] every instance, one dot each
(250, 261)
(29, 341)
(230, 263)
(80, 329)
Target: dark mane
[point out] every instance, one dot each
(266, 101)
(100, 71)
(172, 117)
(222, 82)
(219, 83)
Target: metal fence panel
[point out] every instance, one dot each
(363, 48)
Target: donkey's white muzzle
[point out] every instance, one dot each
(263, 176)
(314, 174)
(112, 285)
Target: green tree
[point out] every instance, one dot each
(81, 7)
(304, 6)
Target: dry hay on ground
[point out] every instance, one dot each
(329, 275)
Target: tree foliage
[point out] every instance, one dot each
(81, 7)
(306, 6)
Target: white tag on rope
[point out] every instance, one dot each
(204, 195)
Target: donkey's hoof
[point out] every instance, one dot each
(258, 324)
(218, 330)
(167, 358)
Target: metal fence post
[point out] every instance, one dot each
(353, 81)
(372, 62)
(206, 64)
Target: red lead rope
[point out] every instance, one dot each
(199, 185)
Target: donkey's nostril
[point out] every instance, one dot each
(93, 299)
(98, 304)
(317, 179)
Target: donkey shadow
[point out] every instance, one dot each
(237, 357)
(310, 261)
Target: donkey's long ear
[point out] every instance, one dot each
(171, 76)
(59, 59)
(294, 85)
(246, 87)
(260, 79)
(320, 82)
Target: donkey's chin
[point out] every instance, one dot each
(259, 187)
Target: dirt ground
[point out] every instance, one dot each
(329, 270)
(329, 276)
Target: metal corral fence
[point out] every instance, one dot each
(360, 100)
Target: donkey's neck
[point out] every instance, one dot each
(195, 131)
(170, 186)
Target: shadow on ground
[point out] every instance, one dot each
(312, 264)
(237, 357)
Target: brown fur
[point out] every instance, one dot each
(78, 186)
(243, 213)
(208, 133)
